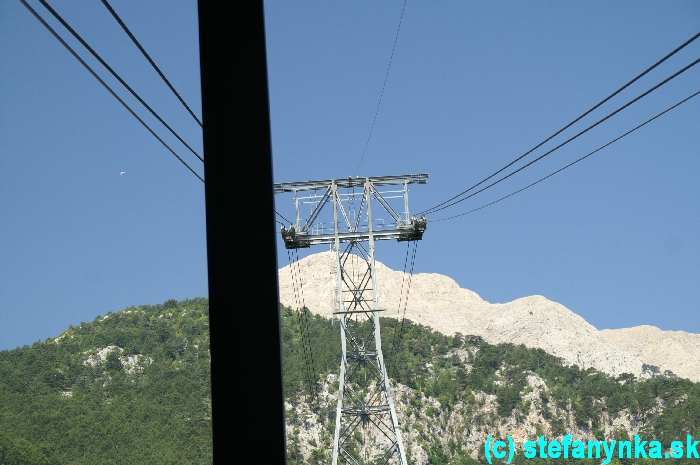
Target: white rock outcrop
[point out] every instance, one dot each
(437, 301)
(678, 351)
(131, 364)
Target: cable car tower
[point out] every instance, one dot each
(364, 392)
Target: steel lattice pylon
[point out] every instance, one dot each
(365, 401)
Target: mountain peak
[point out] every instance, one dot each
(437, 301)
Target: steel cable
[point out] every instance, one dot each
(572, 138)
(107, 87)
(150, 60)
(571, 123)
(116, 75)
(568, 165)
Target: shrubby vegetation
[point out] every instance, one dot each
(56, 409)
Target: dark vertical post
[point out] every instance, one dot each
(243, 315)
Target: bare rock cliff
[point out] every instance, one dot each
(437, 301)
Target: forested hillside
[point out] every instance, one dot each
(132, 387)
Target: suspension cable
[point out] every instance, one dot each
(568, 165)
(571, 123)
(116, 75)
(153, 64)
(302, 347)
(570, 139)
(305, 320)
(398, 306)
(408, 290)
(107, 87)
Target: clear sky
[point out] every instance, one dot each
(473, 84)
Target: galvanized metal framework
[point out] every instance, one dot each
(364, 391)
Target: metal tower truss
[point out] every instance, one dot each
(338, 193)
(366, 426)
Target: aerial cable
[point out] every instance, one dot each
(408, 291)
(107, 87)
(553, 173)
(398, 306)
(282, 216)
(111, 70)
(297, 301)
(568, 125)
(306, 348)
(303, 319)
(570, 139)
(383, 88)
(303, 348)
(150, 60)
(305, 312)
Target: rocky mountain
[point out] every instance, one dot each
(678, 351)
(438, 302)
(453, 391)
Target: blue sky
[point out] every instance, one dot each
(472, 86)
